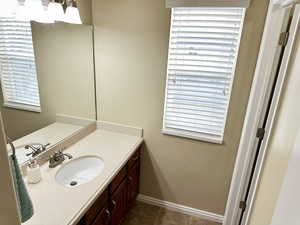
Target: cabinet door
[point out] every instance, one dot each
(96, 208)
(103, 217)
(134, 159)
(119, 204)
(133, 183)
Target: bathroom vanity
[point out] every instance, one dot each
(115, 201)
(107, 197)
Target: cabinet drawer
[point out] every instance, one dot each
(134, 158)
(96, 208)
(118, 179)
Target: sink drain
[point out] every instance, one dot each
(73, 183)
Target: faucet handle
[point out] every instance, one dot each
(55, 155)
(45, 146)
(51, 158)
(29, 154)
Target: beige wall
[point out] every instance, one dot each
(9, 214)
(282, 140)
(131, 44)
(64, 55)
(85, 10)
(64, 59)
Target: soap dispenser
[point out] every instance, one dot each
(33, 172)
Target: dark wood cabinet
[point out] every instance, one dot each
(133, 159)
(96, 208)
(119, 203)
(122, 175)
(113, 204)
(103, 218)
(133, 184)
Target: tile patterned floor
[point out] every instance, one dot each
(144, 214)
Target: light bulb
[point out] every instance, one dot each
(33, 10)
(72, 14)
(56, 11)
(47, 18)
(22, 14)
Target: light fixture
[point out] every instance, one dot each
(8, 8)
(35, 11)
(21, 13)
(72, 13)
(56, 11)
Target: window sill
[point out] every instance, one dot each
(24, 107)
(190, 135)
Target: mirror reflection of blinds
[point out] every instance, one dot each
(203, 49)
(17, 65)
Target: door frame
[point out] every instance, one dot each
(273, 110)
(266, 66)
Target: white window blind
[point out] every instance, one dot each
(203, 50)
(17, 65)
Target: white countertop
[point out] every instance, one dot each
(60, 205)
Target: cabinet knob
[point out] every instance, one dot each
(135, 158)
(108, 216)
(114, 205)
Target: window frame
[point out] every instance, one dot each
(17, 105)
(216, 139)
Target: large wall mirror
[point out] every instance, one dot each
(47, 76)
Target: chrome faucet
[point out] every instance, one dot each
(36, 150)
(57, 158)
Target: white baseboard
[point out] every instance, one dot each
(181, 208)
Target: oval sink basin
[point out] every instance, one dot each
(79, 171)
